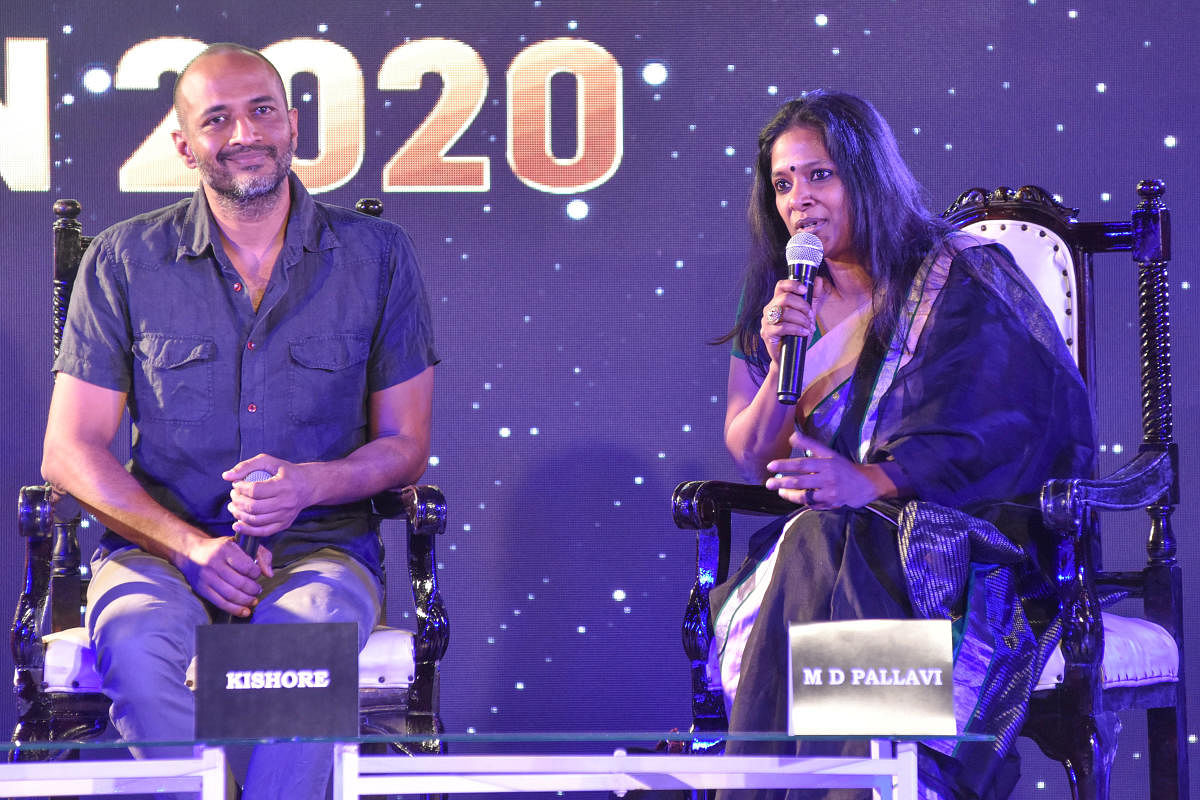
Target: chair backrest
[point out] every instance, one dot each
(1039, 231)
(69, 247)
(1055, 249)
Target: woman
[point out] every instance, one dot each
(930, 377)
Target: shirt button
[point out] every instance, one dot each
(249, 345)
(252, 408)
(237, 287)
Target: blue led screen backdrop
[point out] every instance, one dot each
(574, 176)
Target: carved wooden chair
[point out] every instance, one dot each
(57, 687)
(1106, 663)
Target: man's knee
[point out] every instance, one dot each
(136, 636)
(327, 587)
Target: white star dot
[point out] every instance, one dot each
(577, 209)
(654, 73)
(97, 80)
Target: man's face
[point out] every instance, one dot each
(237, 129)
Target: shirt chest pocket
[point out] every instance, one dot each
(328, 379)
(174, 382)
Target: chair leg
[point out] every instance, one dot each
(58, 718)
(1166, 729)
(1093, 748)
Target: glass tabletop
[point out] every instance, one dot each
(491, 740)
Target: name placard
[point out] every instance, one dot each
(257, 681)
(878, 677)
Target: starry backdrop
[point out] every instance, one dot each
(576, 387)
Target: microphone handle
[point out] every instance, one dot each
(249, 544)
(794, 348)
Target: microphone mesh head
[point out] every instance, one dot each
(804, 248)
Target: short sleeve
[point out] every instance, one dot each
(403, 346)
(97, 340)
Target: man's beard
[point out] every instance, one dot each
(247, 192)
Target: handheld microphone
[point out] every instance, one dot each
(804, 254)
(249, 544)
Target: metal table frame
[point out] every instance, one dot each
(204, 772)
(891, 771)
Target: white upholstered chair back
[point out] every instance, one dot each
(1046, 260)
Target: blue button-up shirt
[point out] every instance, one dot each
(159, 312)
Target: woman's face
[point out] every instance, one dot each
(809, 194)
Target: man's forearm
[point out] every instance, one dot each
(94, 477)
(389, 462)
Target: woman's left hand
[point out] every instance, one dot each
(823, 479)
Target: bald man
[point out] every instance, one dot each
(247, 329)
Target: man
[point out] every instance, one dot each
(247, 328)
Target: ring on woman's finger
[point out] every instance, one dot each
(808, 496)
(774, 314)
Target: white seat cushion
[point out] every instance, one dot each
(70, 662)
(387, 662)
(1136, 653)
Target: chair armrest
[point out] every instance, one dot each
(424, 507)
(1069, 507)
(699, 504)
(424, 511)
(1138, 483)
(52, 593)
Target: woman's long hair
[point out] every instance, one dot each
(891, 227)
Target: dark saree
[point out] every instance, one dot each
(977, 400)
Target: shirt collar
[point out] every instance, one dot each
(307, 227)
